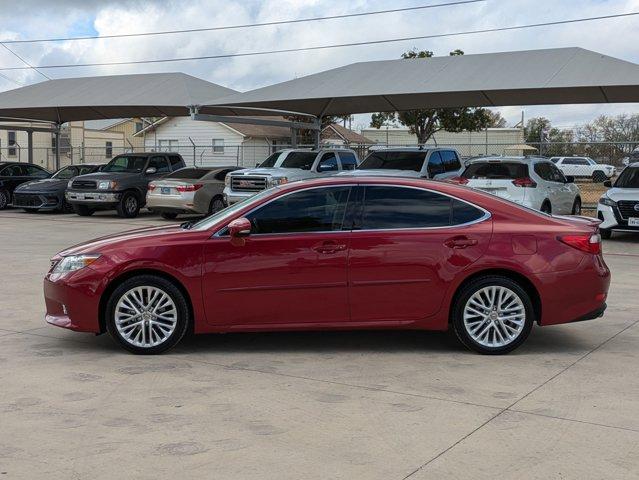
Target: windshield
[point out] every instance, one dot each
(495, 171)
(126, 163)
(394, 161)
(302, 160)
(65, 173)
(629, 178)
(228, 212)
(189, 173)
(270, 161)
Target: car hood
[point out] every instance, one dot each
(43, 185)
(267, 172)
(382, 173)
(108, 175)
(617, 194)
(149, 235)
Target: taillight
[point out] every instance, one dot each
(189, 188)
(151, 187)
(586, 242)
(524, 182)
(459, 180)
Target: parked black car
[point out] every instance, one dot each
(13, 174)
(48, 193)
(121, 184)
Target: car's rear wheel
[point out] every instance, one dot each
(217, 204)
(576, 206)
(129, 205)
(492, 315)
(599, 176)
(4, 199)
(147, 314)
(83, 210)
(546, 207)
(169, 215)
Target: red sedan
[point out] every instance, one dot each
(338, 253)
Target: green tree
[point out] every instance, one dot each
(551, 141)
(495, 120)
(424, 123)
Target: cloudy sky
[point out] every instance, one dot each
(29, 19)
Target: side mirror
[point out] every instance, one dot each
(151, 170)
(240, 228)
(570, 179)
(607, 184)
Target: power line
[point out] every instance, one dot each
(324, 47)
(247, 25)
(25, 62)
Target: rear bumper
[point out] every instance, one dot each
(171, 203)
(597, 313)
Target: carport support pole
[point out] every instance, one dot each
(57, 146)
(318, 131)
(30, 145)
(293, 137)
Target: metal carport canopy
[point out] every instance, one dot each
(534, 77)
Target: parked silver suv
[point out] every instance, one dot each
(287, 166)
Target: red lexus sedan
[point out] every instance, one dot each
(338, 253)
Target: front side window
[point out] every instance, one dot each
(349, 162)
(125, 163)
(270, 161)
(386, 207)
(629, 178)
(435, 165)
(314, 210)
(176, 161)
(160, 164)
(450, 160)
(33, 171)
(556, 174)
(328, 163)
(66, 173)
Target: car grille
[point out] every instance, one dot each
(248, 184)
(23, 200)
(627, 209)
(84, 184)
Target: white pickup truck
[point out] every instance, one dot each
(287, 166)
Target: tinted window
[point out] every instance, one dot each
(302, 160)
(83, 170)
(554, 159)
(315, 210)
(160, 164)
(575, 161)
(543, 170)
(435, 165)
(176, 162)
(394, 161)
(450, 160)
(189, 173)
(629, 178)
(33, 171)
(66, 173)
(495, 171)
(399, 207)
(221, 175)
(12, 171)
(464, 213)
(327, 163)
(555, 174)
(125, 163)
(349, 162)
(270, 161)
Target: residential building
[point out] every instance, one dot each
(337, 134)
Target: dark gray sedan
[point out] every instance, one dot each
(48, 193)
(190, 190)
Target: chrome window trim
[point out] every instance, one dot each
(487, 215)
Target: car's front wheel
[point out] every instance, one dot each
(576, 206)
(492, 315)
(147, 314)
(129, 205)
(4, 199)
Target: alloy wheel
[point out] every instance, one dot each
(494, 316)
(145, 316)
(131, 204)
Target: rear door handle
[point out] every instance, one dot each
(328, 247)
(460, 242)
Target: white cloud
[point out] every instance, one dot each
(31, 18)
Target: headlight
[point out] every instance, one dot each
(273, 181)
(74, 262)
(607, 201)
(106, 185)
(227, 181)
(70, 184)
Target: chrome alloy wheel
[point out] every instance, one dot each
(131, 204)
(145, 316)
(494, 316)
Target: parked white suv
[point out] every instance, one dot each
(434, 163)
(618, 208)
(529, 181)
(287, 166)
(584, 167)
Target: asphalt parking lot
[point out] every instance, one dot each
(360, 405)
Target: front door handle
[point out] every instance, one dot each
(328, 247)
(460, 242)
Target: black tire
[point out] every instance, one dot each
(576, 206)
(546, 207)
(66, 207)
(605, 233)
(169, 216)
(4, 199)
(30, 210)
(462, 298)
(129, 205)
(83, 210)
(599, 176)
(167, 287)
(217, 204)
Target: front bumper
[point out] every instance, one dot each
(37, 200)
(93, 198)
(611, 219)
(231, 196)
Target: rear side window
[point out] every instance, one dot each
(33, 171)
(495, 171)
(387, 207)
(435, 165)
(13, 171)
(189, 173)
(450, 160)
(543, 170)
(349, 162)
(464, 213)
(394, 161)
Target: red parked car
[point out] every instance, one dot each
(338, 253)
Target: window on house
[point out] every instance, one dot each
(11, 143)
(138, 126)
(109, 150)
(168, 145)
(218, 145)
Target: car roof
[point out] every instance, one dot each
(498, 159)
(409, 149)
